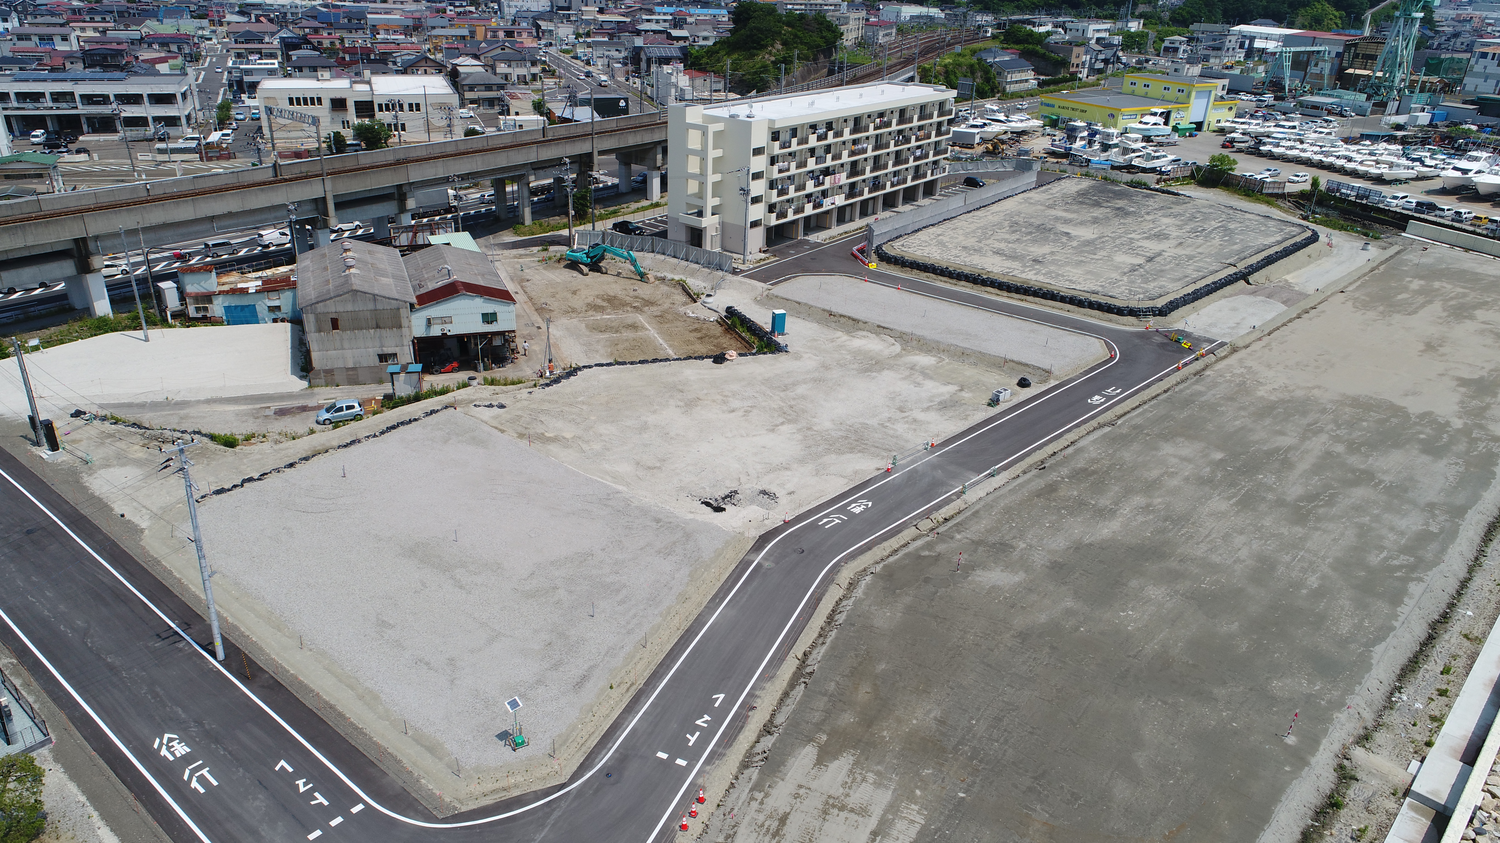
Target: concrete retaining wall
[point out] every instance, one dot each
(1461, 239)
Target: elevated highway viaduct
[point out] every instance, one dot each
(65, 236)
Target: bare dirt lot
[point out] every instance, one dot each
(1134, 629)
(1101, 238)
(612, 315)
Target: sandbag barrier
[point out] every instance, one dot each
(755, 328)
(300, 460)
(1088, 303)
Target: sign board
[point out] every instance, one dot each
(289, 114)
(513, 704)
(965, 87)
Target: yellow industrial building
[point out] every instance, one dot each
(1180, 98)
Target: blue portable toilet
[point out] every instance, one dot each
(778, 322)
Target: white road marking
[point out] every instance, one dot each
(357, 808)
(316, 834)
(99, 721)
(681, 763)
(662, 755)
(335, 821)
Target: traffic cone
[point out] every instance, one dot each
(684, 825)
(701, 797)
(693, 811)
(888, 465)
(1179, 367)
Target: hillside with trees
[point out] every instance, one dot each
(762, 42)
(1345, 13)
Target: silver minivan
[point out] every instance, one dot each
(344, 409)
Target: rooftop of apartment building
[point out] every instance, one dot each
(870, 96)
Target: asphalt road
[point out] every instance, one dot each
(114, 648)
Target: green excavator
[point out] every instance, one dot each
(593, 258)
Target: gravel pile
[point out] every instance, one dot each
(448, 567)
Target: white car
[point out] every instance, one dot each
(273, 237)
(603, 81)
(39, 136)
(465, 113)
(1298, 178)
(476, 127)
(345, 226)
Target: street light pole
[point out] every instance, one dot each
(568, 183)
(36, 417)
(135, 286)
(291, 226)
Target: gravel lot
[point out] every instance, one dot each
(1134, 628)
(1000, 336)
(446, 567)
(1101, 238)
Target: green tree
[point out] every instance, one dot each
(337, 143)
(1195, 11)
(1017, 35)
(764, 40)
(1314, 187)
(472, 132)
(21, 816)
(583, 198)
(539, 108)
(372, 134)
(1319, 16)
(1135, 42)
(224, 113)
(962, 65)
(1219, 166)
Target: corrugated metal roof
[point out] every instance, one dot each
(380, 272)
(425, 268)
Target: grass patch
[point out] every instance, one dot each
(743, 329)
(1322, 819)
(403, 400)
(227, 440)
(1442, 692)
(489, 381)
(1340, 225)
(550, 225)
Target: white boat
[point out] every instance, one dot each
(1424, 172)
(1461, 175)
(1398, 173)
(1153, 159)
(1488, 184)
(1149, 125)
(985, 129)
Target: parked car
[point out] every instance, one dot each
(1298, 178)
(273, 237)
(55, 147)
(218, 68)
(239, 114)
(1395, 199)
(1462, 215)
(255, 113)
(81, 150)
(39, 136)
(467, 114)
(346, 226)
(1271, 171)
(477, 127)
(341, 410)
(628, 227)
(1425, 206)
(973, 181)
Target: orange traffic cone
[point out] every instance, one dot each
(693, 811)
(701, 797)
(684, 825)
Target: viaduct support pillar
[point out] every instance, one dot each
(624, 174)
(653, 185)
(86, 290)
(523, 197)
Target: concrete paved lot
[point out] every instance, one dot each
(1133, 628)
(178, 363)
(446, 567)
(1029, 343)
(1100, 238)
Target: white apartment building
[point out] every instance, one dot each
(417, 108)
(92, 102)
(811, 162)
(1483, 76)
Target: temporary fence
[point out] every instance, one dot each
(657, 246)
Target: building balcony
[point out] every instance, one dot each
(784, 167)
(822, 136)
(786, 144)
(877, 186)
(783, 191)
(924, 135)
(881, 146)
(921, 154)
(884, 123)
(821, 159)
(856, 172)
(859, 149)
(804, 140)
(897, 181)
(903, 140)
(945, 110)
(906, 120)
(854, 193)
(901, 161)
(838, 133)
(837, 156)
(859, 128)
(943, 131)
(781, 214)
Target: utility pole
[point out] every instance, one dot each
(156, 302)
(593, 157)
(291, 226)
(36, 417)
(135, 286)
(208, 589)
(568, 183)
(547, 354)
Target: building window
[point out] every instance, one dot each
(489, 318)
(338, 103)
(162, 99)
(439, 320)
(1181, 90)
(333, 323)
(756, 200)
(755, 223)
(759, 150)
(273, 308)
(386, 358)
(758, 175)
(1147, 86)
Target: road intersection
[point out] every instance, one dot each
(216, 757)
